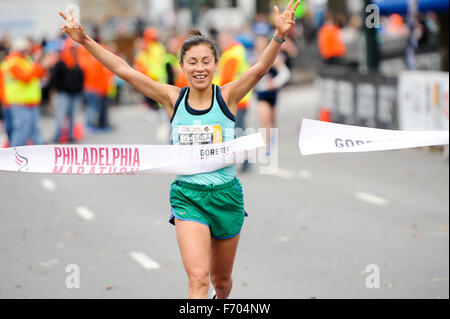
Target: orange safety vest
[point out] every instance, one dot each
(97, 78)
(331, 44)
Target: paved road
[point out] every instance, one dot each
(313, 229)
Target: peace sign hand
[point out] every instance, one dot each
(285, 21)
(72, 27)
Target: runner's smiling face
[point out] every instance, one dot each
(199, 65)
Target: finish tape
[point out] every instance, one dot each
(318, 137)
(128, 159)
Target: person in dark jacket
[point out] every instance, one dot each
(67, 79)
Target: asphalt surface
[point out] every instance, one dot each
(314, 227)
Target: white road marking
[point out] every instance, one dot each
(48, 184)
(49, 263)
(371, 199)
(283, 239)
(144, 260)
(84, 213)
(305, 175)
(284, 174)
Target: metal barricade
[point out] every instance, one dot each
(358, 99)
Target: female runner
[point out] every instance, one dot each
(207, 209)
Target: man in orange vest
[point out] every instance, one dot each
(22, 93)
(97, 81)
(331, 43)
(232, 64)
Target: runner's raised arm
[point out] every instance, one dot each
(164, 94)
(284, 22)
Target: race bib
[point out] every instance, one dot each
(200, 134)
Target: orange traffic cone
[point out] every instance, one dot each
(78, 133)
(325, 115)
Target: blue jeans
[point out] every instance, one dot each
(103, 121)
(95, 106)
(7, 119)
(25, 125)
(67, 105)
(92, 109)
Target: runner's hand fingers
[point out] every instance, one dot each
(72, 14)
(277, 10)
(289, 7)
(63, 15)
(296, 5)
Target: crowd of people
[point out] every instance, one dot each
(65, 76)
(337, 32)
(61, 71)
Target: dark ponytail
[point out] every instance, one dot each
(195, 38)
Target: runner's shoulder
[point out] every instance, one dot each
(173, 94)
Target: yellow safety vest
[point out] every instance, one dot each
(153, 58)
(235, 52)
(17, 92)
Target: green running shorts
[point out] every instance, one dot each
(220, 207)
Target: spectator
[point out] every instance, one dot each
(150, 61)
(423, 31)
(397, 26)
(261, 27)
(289, 50)
(116, 84)
(4, 46)
(267, 91)
(6, 113)
(175, 75)
(97, 81)
(22, 93)
(232, 64)
(331, 43)
(67, 78)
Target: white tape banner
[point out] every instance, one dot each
(128, 159)
(317, 137)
